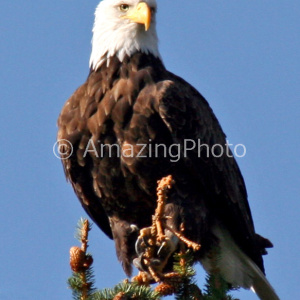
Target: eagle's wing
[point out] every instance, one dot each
(188, 116)
(73, 137)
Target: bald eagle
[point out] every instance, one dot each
(133, 122)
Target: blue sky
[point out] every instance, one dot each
(243, 56)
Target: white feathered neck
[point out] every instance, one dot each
(113, 35)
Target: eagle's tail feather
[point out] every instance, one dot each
(238, 269)
(261, 285)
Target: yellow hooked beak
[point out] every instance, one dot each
(141, 15)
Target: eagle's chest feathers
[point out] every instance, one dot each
(119, 109)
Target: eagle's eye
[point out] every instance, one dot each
(124, 7)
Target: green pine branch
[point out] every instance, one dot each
(181, 283)
(127, 290)
(82, 284)
(82, 280)
(188, 288)
(216, 288)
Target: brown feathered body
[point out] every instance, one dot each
(137, 102)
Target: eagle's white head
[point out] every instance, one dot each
(123, 27)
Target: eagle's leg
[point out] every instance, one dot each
(153, 246)
(158, 242)
(149, 260)
(159, 219)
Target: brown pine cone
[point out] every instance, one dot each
(77, 259)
